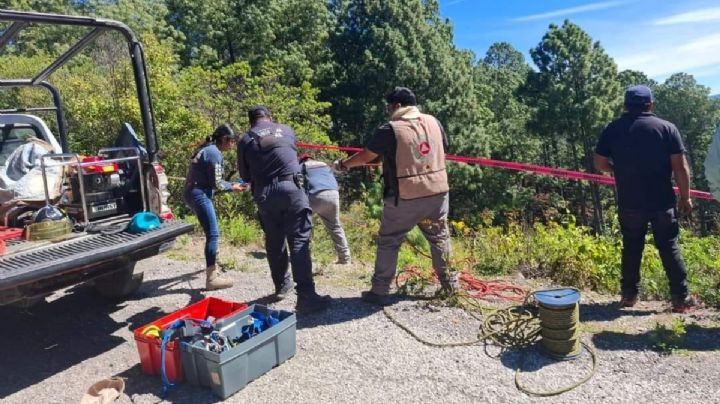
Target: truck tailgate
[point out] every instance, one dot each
(84, 252)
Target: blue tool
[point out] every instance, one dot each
(163, 373)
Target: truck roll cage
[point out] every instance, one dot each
(20, 20)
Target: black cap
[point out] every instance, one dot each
(638, 95)
(401, 95)
(257, 112)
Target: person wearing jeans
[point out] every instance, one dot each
(324, 197)
(205, 177)
(644, 152)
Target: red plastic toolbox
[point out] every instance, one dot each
(148, 346)
(9, 233)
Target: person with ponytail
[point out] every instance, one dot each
(204, 179)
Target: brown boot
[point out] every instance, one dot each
(214, 280)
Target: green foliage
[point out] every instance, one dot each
(668, 339)
(291, 33)
(239, 230)
(575, 93)
(380, 44)
(687, 104)
(570, 255)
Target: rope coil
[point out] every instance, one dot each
(557, 328)
(560, 330)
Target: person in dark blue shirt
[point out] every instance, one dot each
(267, 159)
(644, 151)
(204, 178)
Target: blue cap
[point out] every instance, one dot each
(638, 95)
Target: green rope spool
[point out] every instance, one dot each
(559, 312)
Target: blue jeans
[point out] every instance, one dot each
(200, 201)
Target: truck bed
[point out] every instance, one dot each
(28, 262)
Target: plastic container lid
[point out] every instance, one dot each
(556, 298)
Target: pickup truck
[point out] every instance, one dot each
(98, 194)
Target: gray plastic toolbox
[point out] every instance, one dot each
(228, 372)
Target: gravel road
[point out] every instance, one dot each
(349, 354)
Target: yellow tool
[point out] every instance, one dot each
(152, 331)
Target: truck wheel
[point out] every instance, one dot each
(120, 283)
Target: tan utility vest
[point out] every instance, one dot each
(420, 157)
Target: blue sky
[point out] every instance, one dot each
(656, 37)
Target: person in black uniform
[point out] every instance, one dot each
(267, 159)
(645, 153)
(205, 177)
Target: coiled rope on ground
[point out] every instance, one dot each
(513, 327)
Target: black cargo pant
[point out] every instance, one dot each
(285, 216)
(665, 228)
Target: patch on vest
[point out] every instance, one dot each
(422, 150)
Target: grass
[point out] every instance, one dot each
(669, 338)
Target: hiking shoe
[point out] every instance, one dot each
(215, 280)
(283, 292)
(449, 286)
(313, 302)
(343, 261)
(685, 305)
(628, 300)
(374, 298)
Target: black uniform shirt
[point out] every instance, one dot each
(262, 166)
(640, 146)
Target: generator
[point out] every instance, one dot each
(105, 186)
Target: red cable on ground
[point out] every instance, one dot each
(480, 289)
(472, 286)
(509, 165)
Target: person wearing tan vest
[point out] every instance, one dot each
(416, 192)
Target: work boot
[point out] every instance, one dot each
(374, 298)
(307, 303)
(214, 279)
(343, 261)
(685, 305)
(628, 300)
(449, 286)
(283, 292)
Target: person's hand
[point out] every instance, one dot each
(685, 206)
(339, 167)
(238, 187)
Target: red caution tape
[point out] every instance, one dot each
(509, 165)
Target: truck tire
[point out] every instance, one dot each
(120, 283)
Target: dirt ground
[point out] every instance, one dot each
(352, 353)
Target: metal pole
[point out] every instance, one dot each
(143, 95)
(60, 116)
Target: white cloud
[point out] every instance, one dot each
(666, 59)
(704, 15)
(569, 11)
